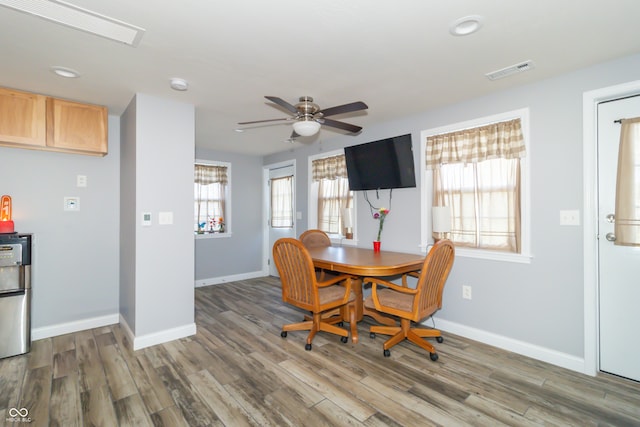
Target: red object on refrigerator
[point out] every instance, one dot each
(6, 224)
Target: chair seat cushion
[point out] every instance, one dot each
(392, 299)
(333, 293)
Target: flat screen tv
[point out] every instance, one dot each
(383, 164)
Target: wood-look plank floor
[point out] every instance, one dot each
(238, 371)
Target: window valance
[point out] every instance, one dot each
(209, 174)
(496, 140)
(329, 168)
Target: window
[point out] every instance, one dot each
(282, 202)
(211, 197)
(476, 169)
(331, 202)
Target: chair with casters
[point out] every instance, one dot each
(312, 239)
(413, 304)
(302, 289)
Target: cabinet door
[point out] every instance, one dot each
(22, 118)
(72, 126)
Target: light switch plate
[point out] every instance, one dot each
(570, 217)
(81, 181)
(165, 218)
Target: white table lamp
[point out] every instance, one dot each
(347, 222)
(441, 222)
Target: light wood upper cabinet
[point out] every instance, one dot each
(22, 118)
(29, 120)
(75, 126)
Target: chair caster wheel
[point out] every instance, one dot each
(344, 339)
(433, 356)
(372, 335)
(439, 339)
(341, 324)
(307, 347)
(386, 353)
(283, 334)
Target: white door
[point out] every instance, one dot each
(283, 204)
(619, 266)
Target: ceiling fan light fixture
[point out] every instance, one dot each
(306, 127)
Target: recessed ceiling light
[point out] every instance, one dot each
(68, 73)
(179, 84)
(466, 25)
(239, 130)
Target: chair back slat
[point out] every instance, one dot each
(433, 276)
(297, 275)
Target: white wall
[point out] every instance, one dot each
(538, 306)
(75, 262)
(164, 253)
(127, 254)
(238, 256)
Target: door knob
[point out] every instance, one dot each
(610, 237)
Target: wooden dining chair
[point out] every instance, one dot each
(301, 289)
(312, 239)
(413, 304)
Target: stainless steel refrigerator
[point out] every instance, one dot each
(15, 294)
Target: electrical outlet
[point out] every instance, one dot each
(466, 292)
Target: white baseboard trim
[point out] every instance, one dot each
(232, 278)
(554, 357)
(155, 338)
(75, 326)
(126, 329)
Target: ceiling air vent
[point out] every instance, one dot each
(513, 69)
(76, 17)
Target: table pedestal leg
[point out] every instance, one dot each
(356, 307)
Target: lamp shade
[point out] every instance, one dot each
(306, 127)
(441, 219)
(347, 217)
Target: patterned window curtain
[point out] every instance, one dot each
(282, 202)
(210, 183)
(476, 172)
(627, 225)
(330, 173)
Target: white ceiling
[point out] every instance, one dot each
(396, 56)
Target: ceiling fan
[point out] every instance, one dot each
(308, 117)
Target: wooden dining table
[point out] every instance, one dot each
(362, 262)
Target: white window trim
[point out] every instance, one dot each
(227, 201)
(312, 208)
(427, 186)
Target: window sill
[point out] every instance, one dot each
(490, 255)
(341, 241)
(212, 235)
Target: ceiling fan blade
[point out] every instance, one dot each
(263, 121)
(341, 125)
(346, 108)
(283, 103)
